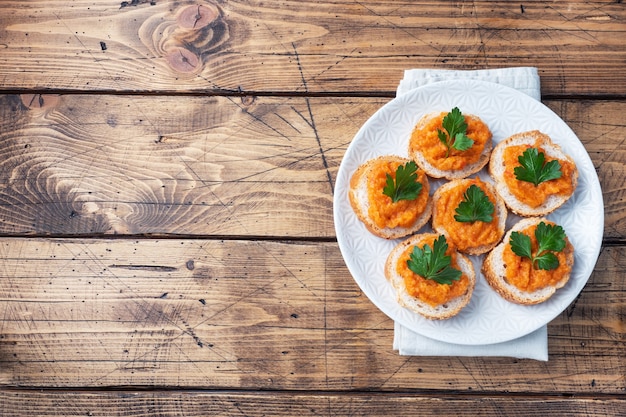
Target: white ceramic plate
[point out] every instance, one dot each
(488, 318)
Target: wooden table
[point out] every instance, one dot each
(166, 194)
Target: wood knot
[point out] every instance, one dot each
(198, 31)
(183, 60)
(247, 100)
(40, 101)
(186, 36)
(197, 16)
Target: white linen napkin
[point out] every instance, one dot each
(524, 79)
(533, 345)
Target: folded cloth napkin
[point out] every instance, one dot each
(533, 345)
(524, 79)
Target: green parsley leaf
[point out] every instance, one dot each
(520, 245)
(462, 142)
(550, 239)
(535, 169)
(547, 261)
(405, 186)
(433, 263)
(456, 128)
(475, 206)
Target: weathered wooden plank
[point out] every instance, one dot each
(304, 46)
(208, 165)
(187, 403)
(258, 315)
(261, 166)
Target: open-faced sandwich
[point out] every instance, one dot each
(532, 174)
(430, 277)
(531, 263)
(450, 145)
(390, 195)
(470, 214)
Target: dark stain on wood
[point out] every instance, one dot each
(156, 268)
(112, 120)
(137, 3)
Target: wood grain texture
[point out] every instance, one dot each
(206, 166)
(258, 315)
(304, 46)
(167, 173)
(210, 166)
(195, 403)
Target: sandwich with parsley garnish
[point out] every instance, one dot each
(390, 195)
(532, 174)
(470, 214)
(430, 276)
(534, 260)
(451, 144)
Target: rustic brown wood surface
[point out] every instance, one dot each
(167, 175)
(196, 403)
(304, 46)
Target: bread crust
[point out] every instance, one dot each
(500, 212)
(494, 270)
(435, 172)
(497, 169)
(441, 312)
(357, 194)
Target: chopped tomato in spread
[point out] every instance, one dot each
(529, 193)
(521, 273)
(428, 290)
(382, 210)
(425, 140)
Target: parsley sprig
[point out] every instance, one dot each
(406, 186)
(535, 169)
(455, 135)
(433, 263)
(550, 239)
(475, 206)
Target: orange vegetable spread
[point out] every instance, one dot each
(426, 140)
(382, 210)
(428, 290)
(527, 192)
(465, 235)
(520, 272)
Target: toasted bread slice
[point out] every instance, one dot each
(440, 312)
(417, 153)
(497, 170)
(470, 238)
(359, 200)
(494, 270)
